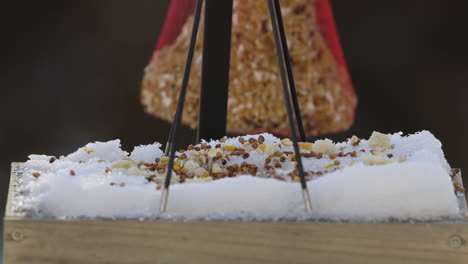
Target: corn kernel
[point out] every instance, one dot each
(297, 179)
(88, 150)
(262, 147)
(229, 147)
(305, 145)
(201, 173)
(163, 160)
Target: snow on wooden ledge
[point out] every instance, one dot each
(34, 240)
(386, 178)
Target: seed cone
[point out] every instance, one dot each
(325, 94)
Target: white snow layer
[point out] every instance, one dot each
(419, 188)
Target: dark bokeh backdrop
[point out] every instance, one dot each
(72, 69)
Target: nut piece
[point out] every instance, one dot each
(216, 168)
(123, 164)
(325, 146)
(213, 152)
(369, 159)
(191, 165)
(164, 160)
(354, 141)
(287, 142)
(270, 149)
(379, 141)
(201, 173)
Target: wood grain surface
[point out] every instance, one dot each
(31, 241)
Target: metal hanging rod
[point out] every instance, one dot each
(215, 80)
(180, 106)
(281, 45)
(292, 85)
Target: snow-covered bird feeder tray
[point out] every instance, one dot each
(388, 199)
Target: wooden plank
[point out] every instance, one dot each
(232, 242)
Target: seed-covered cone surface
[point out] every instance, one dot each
(325, 94)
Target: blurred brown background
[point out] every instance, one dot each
(72, 70)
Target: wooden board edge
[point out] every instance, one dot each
(231, 242)
(9, 212)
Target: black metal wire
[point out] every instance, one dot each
(281, 62)
(215, 69)
(292, 85)
(183, 90)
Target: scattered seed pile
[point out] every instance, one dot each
(255, 101)
(252, 176)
